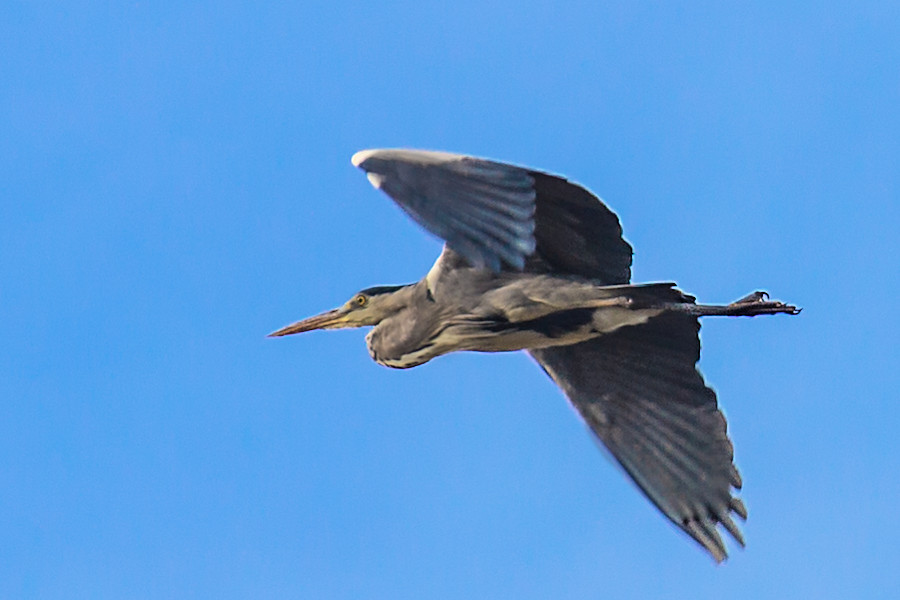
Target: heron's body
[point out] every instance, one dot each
(534, 262)
(513, 311)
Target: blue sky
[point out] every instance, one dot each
(175, 184)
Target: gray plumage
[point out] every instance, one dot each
(535, 262)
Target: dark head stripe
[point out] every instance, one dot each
(381, 289)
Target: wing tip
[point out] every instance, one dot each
(704, 529)
(707, 536)
(362, 156)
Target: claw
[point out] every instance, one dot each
(758, 296)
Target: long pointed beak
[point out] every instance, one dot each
(332, 318)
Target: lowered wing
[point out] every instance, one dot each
(639, 391)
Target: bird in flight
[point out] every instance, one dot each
(535, 262)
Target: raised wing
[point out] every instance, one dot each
(499, 216)
(639, 391)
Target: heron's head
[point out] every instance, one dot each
(367, 307)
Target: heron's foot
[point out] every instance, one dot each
(758, 303)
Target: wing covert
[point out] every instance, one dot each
(482, 209)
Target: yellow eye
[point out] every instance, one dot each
(360, 300)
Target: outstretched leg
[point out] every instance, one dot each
(757, 303)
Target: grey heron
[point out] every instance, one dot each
(535, 262)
